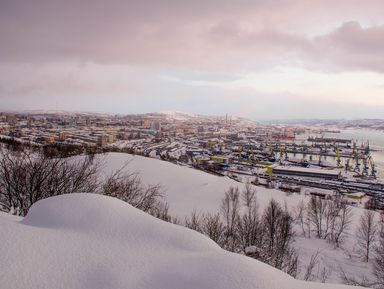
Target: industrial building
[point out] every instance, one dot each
(305, 172)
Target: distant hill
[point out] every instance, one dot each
(341, 123)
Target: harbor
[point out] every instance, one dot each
(328, 166)
(315, 160)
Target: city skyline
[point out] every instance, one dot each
(261, 60)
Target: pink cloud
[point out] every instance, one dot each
(203, 35)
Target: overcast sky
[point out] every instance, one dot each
(261, 59)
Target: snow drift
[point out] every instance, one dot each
(92, 241)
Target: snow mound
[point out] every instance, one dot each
(92, 241)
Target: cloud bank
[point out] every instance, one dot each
(90, 48)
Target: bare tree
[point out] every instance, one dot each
(278, 237)
(300, 217)
(317, 215)
(341, 216)
(249, 226)
(361, 281)
(309, 276)
(29, 176)
(212, 226)
(366, 234)
(268, 239)
(160, 210)
(193, 222)
(324, 273)
(329, 220)
(378, 261)
(230, 207)
(129, 188)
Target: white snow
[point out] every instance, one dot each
(189, 190)
(92, 241)
(179, 115)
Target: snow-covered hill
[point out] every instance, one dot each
(178, 115)
(189, 190)
(92, 241)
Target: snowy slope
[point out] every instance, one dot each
(187, 189)
(179, 115)
(92, 241)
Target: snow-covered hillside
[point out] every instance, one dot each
(189, 190)
(178, 115)
(92, 241)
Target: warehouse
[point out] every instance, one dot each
(306, 172)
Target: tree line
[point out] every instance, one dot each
(269, 235)
(241, 227)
